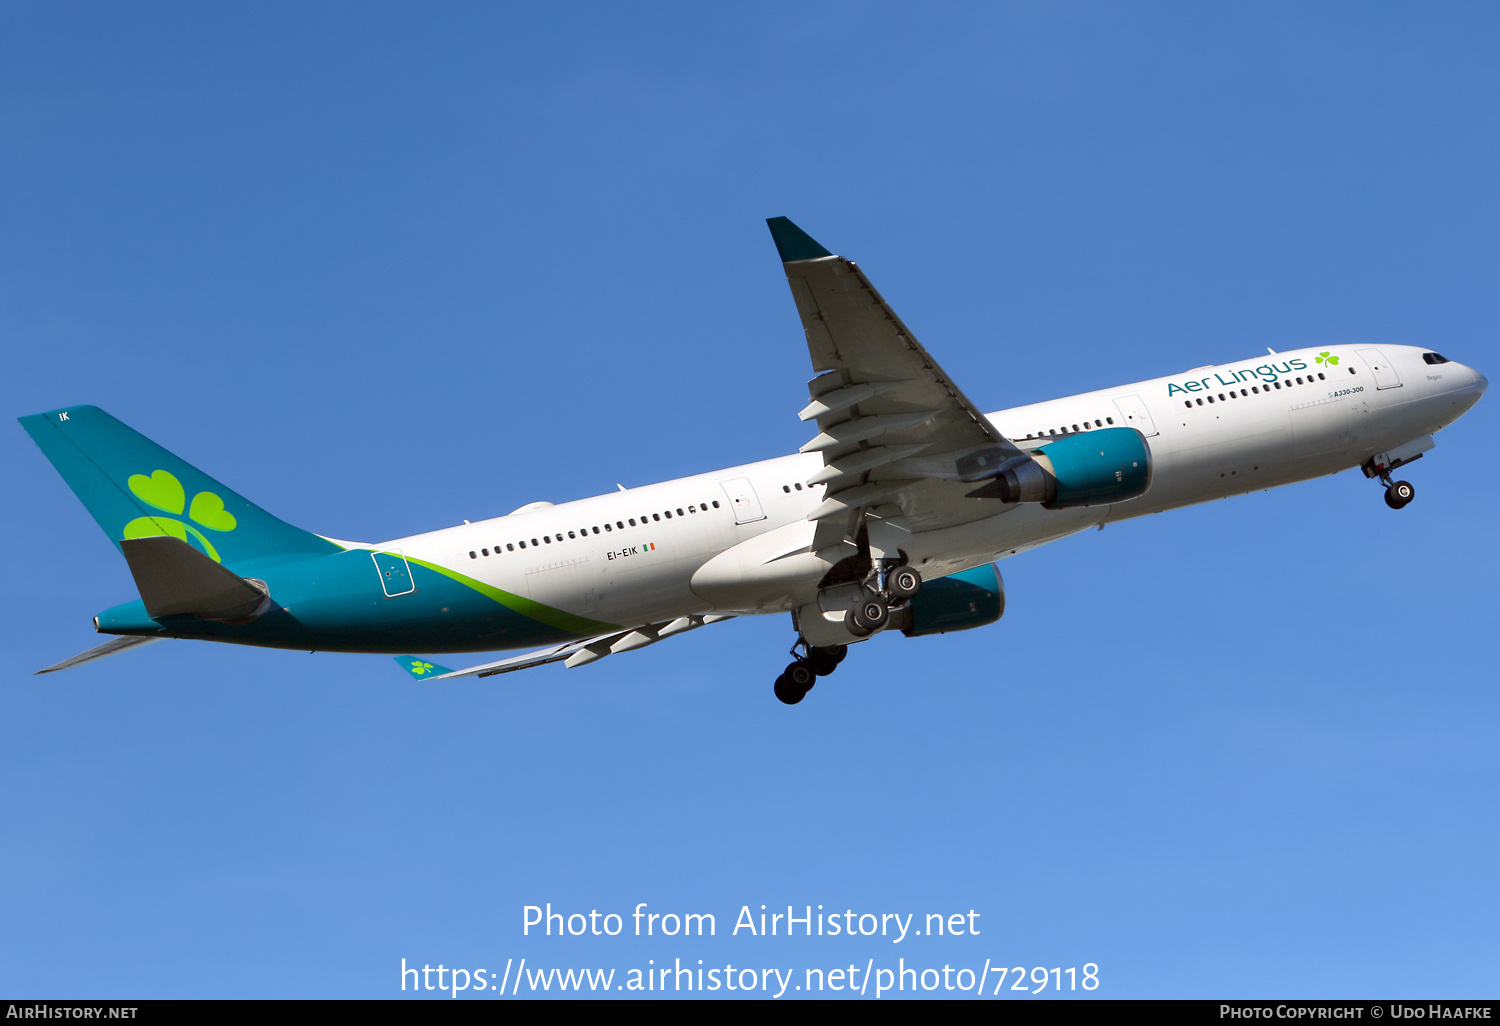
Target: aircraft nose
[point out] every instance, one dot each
(1470, 387)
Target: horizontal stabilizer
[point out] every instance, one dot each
(420, 668)
(176, 579)
(109, 648)
(573, 653)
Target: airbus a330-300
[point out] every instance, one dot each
(890, 518)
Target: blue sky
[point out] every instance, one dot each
(384, 267)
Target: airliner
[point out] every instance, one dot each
(891, 517)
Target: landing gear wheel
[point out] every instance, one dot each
(795, 682)
(1399, 494)
(823, 661)
(800, 675)
(903, 583)
(788, 692)
(870, 614)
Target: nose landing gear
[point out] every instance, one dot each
(1399, 494)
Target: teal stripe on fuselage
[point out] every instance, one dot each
(335, 603)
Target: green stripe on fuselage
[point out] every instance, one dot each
(558, 618)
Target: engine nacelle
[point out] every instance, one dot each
(1093, 468)
(971, 598)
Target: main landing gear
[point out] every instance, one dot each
(798, 679)
(887, 588)
(873, 610)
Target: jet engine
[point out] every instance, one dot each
(1093, 468)
(971, 598)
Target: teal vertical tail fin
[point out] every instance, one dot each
(136, 489)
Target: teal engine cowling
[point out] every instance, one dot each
(971, 598)
(1092, 468)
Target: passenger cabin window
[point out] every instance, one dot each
(511, 548)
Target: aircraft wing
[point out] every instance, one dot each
(894, 430)
(571, 654)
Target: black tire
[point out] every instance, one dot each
(871, 613)
(1399, 494)
(825, 660)
(787, 692)
(903, 583)
(800, 674)
(852, 626)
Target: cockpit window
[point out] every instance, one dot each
(1433, 358)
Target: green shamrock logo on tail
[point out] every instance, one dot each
(1327, 359)
(166, 493)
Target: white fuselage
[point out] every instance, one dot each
(628, 557)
